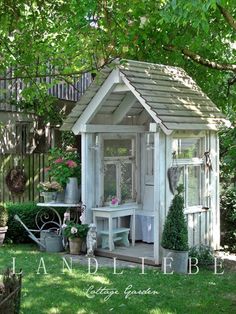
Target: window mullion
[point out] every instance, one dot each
(186, 185)
(200, 187)
(118, 180)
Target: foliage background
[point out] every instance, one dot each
(65, 38)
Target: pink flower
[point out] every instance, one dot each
(47, 169)
(66, 215)
(71, 164)
(58, 161)
(114, 201)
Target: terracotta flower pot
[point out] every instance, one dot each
(3, 231)
(75, 245)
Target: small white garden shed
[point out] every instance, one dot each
(133, 119)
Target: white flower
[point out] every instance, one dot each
(64, 226)
(73, 230)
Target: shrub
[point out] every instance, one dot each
(27, 213)
(63, 165)
(228, 219)
(3, 216)
(203, 253)
(175, 233)
(73, 230)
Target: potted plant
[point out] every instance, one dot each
(114, 202)
(76, 234)
(49, 191)
(175, 235)
(3, 223)
(65, 169)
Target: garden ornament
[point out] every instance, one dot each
(208, 161)
(173, 174)
(91, 240)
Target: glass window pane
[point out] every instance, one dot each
(186, 147)
(182, 181)
(126, 181)
(109, 182)
(194, 185)
(181, 178)
(117, 148)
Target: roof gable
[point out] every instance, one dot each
(167, 93)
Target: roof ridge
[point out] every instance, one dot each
(151, 63)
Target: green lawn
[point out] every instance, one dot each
(67, 293)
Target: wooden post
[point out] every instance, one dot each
(157, 197)
(217, 239)
(162, 179)
(87, 178)
(214, 145)
(99, 172)
(168, 160)
(137, 178)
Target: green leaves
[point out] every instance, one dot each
(228, 218)
(63, 165)
(228, 157)
(82, 35)
(73, 230)
(3, 216)
(175, 233)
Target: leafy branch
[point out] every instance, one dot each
(212, 64)
(228, 17)
(201, 60)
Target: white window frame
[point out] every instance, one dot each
(198, 162)
(116, 160)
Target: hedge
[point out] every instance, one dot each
(228, 219)
(27, 213)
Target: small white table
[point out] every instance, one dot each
(116, 212)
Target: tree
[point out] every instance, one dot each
(206, 36)
(65, 38)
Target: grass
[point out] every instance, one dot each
(67, 293)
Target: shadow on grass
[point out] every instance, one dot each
(80, 292)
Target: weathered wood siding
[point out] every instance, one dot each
(199, 228)
(203, 225)
(33, 165)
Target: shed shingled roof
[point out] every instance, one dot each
(169, 92)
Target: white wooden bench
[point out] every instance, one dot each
(119, 236)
